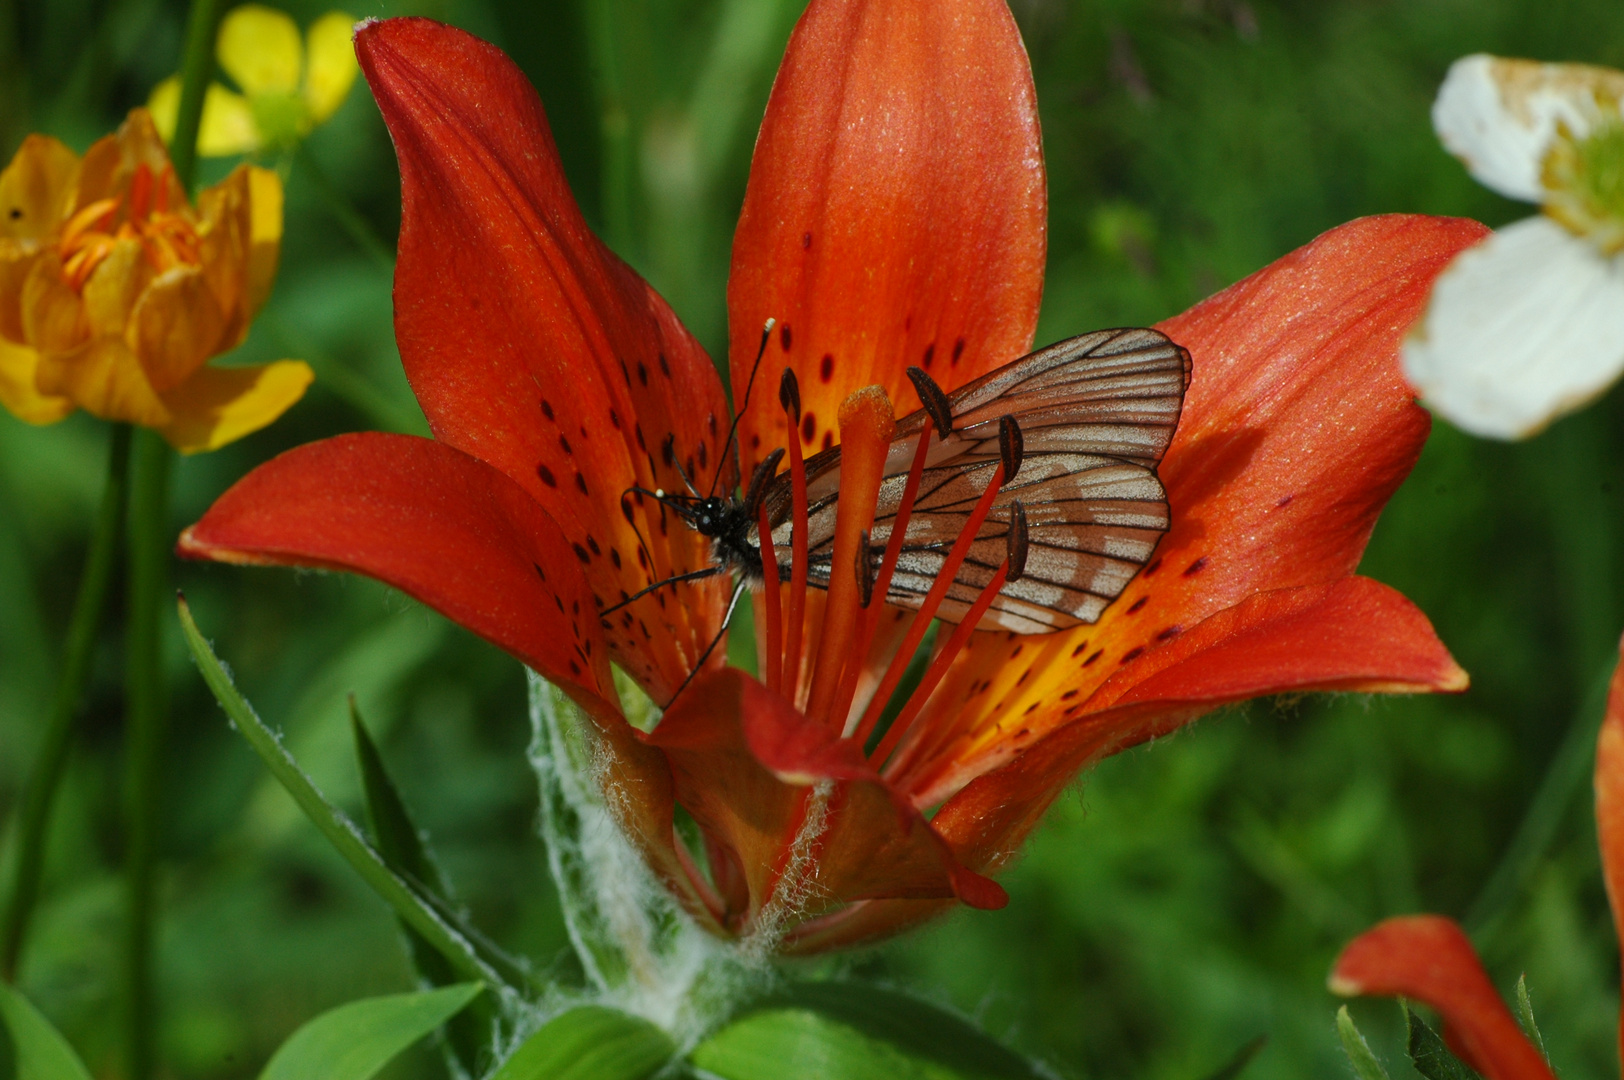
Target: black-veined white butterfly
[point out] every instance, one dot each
(1094, 415)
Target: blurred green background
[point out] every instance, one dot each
(1190, 895)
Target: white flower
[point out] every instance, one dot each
(1529, 324)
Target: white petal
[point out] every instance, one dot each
(1520, 329)
(1499, 116)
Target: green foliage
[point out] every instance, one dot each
(41, 1053)
(848, 1029)
(355, 1041)
(590, 1043)
(1431, 1058)
(1365, 1064)
(1525, 1014)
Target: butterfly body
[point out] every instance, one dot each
(1096, 413)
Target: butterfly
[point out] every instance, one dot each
(1093, 414)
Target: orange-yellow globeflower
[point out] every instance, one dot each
(115, 291)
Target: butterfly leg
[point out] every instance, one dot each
(727, 620)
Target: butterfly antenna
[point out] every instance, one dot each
(727, 620)
(674, 579)
(671, 452)
(738, 413)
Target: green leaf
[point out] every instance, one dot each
(1430, 1056)
(1243, 1057)
(42, 1052)
(354, 1041)
(417, 911)
(1364, 1062)
(1525, 1015)
(854, 1031)
(590, 1043)
(473, 1031)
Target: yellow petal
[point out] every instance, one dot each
(259, 47)
(111, 162)
(264, 234)
(164, 105)
(36, 187)
(19, 392)
(228, 127)
(114, 287)
(220, 405)
(175, 327)
(330, 64)
(17, 259)
(53, 315)
(103, 377)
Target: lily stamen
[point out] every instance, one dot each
(789, 395)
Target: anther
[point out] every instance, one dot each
(1010, 446)
(1015, 540)
(865, 571)
(789, 395)
(758, 481)
(935, 402)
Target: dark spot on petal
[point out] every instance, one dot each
(1196, 567)
(1155, 565)
(930, 354)
(755, 441)
(826, 367)
(1284, 499)
(710, 422)
(1024, 674)
(626, 510)
(1170, 633)
(704, 457)
(828, 439)
(1133, 654)
(546, 408)
(614, 557)
(575, 669)
(689, 465)
(642, 559)
(784, 334)
(1068, 695)
(1137, 604)
(806, 241)
(546, 475)
(564, 444)
(1097, 654)
(665, 366)
(668, 453)
(614, 419)
(644, 627)
(575, 607)
(1018, 648)
(625, 374)
(1078, 651)
(637, 429)
(539, 571)
(581, 553)
(642, 373)
(580, 482)
(958, 351)
(592, 542)
(1030, 709)
(809, 428)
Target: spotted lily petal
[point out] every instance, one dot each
(1522, 328)
(1428, 958)
(1610, 804)
(895, 212)
(532, 347)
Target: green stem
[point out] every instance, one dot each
(349, 219)
(197, 68)
(145, 723)
(88, 609)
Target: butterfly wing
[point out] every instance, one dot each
(1096, 412)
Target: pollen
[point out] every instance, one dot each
(1584, 183)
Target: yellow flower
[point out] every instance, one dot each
(260, 49)
(115, 291)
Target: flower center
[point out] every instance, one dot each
(281, 118)
(1584, 179)
(859, 576)
(167, 238)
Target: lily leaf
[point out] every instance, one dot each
(354, 1041)
(590, 1043)
(1364, 1061)
(855, 1031)
(412, 907)
(42, 1052)
(472, 1031)
(1430, 1056)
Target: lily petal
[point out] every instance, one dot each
(175, 326)
(1500, 116)
(1522, 328)
(436, 524)
(259, 47)
(1610, 804)
(19, 392)
(103, 377)
(532, 347)
(1297, 428)
(216, 406)
(330, 66)
(1428, 958)
(895, 213)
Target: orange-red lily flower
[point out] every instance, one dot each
(1429, 958)
(895, 215)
